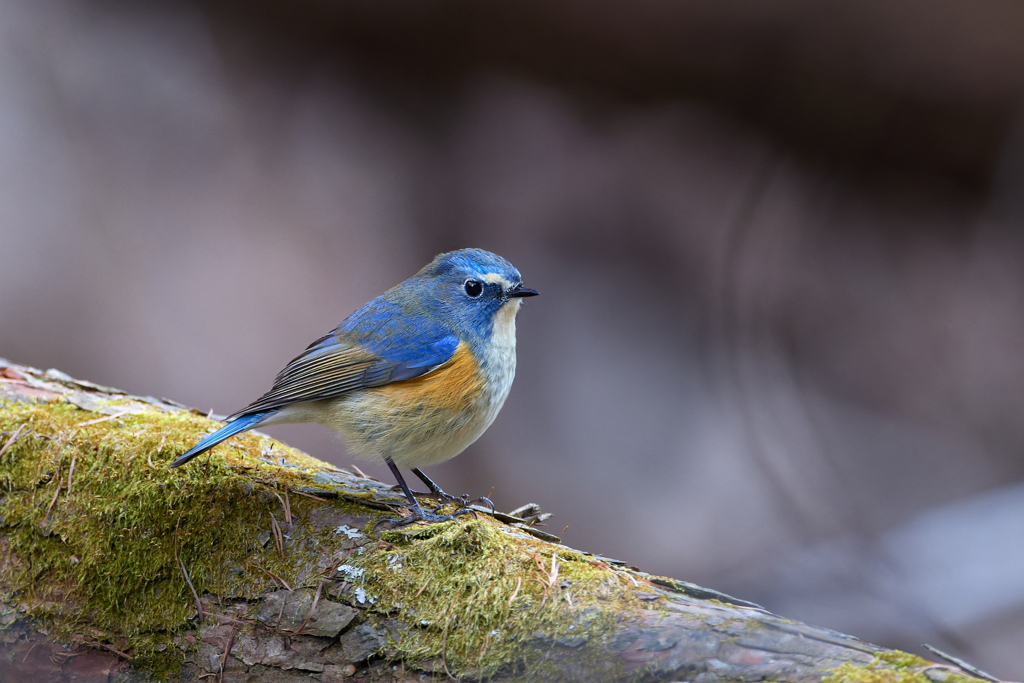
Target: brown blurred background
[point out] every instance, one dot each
(779, 347)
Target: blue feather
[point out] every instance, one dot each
(386, 329)
(242, 424)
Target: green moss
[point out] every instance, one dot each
(892, 666)
(901, 659)
(857, 673)
(101, 562)
(104, 563)
(484, 605)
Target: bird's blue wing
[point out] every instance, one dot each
(393, 332)
(377, 345)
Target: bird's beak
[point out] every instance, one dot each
(520, 292)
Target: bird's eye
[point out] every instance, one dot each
(473, 288)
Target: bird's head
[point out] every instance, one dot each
(476, 291)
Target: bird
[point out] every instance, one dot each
(412, 378)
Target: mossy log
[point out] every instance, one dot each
(260, 563)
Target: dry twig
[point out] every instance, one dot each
(14, 437)
(278, 536)
(188, 580)
(104, 418)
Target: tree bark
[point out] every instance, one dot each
(260, 563)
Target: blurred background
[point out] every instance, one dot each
(779, 346)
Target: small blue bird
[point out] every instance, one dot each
(413, 377)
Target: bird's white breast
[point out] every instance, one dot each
(499, 355)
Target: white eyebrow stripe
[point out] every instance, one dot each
(498, 279)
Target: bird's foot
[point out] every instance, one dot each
(463, 500)
(418, 514)
(438, 494)
(445, 498)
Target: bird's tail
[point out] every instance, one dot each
(237, 426)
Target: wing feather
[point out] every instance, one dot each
(342, 361)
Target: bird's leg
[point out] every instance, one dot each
(434, 488)
(417, 511)
(447, 497)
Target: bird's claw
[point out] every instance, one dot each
(485, 501)
(418, 514)
(464, 502)
(446, 498)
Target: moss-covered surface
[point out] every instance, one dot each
(498, 606)
(100, 560)
(104, 561)
(896, 667)
(97, 535)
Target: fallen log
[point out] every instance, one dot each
(260, 563)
